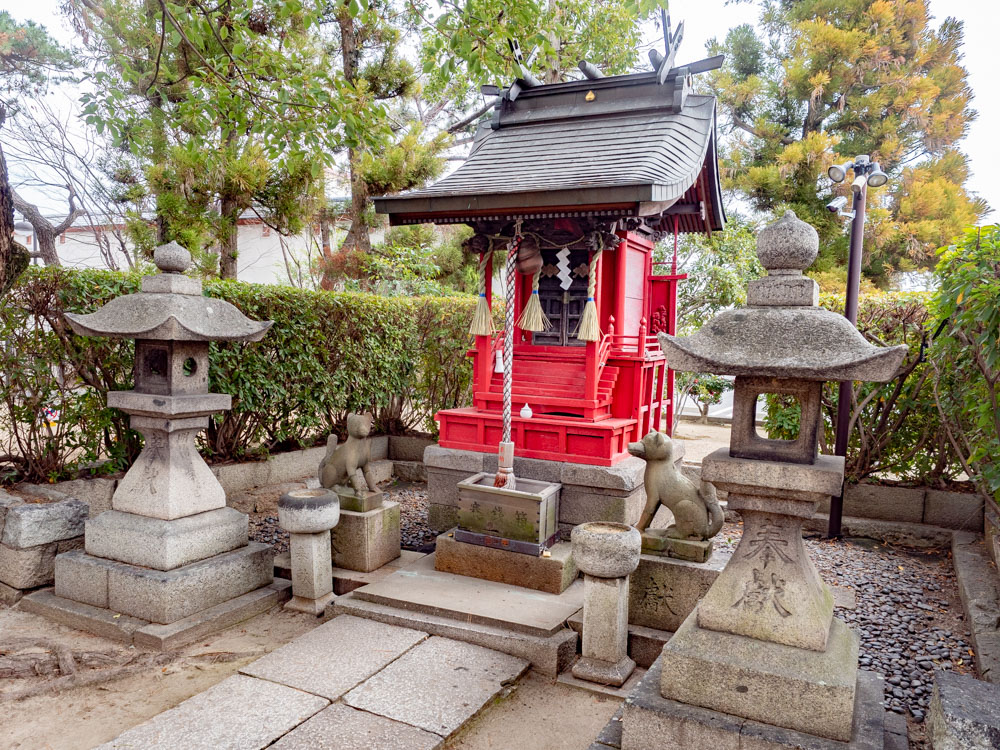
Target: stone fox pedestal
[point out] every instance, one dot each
(170, 562)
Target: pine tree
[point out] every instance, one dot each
(820, 82)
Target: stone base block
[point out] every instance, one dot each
(366, 541)
(652, 722)
(190, 629)
(165, 545)
(552, 574)
(663, 591)
(357, 502)
(310, 606)
(604, 672)
(151, 636)
(795, 688)
(548, 654)
(656, 542)
(28, 567)
(644, 644)
(620, 692)
(10, 595)
(164, 596)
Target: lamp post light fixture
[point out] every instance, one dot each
(867, 173)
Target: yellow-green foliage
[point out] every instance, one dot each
(818, 82)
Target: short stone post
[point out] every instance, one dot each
(308, 516)
(607, 553)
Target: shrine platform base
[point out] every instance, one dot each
(589, 493)
(548, 437)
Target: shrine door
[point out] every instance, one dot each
(562, 291)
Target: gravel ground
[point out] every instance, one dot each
(908, 614)
(412, 499)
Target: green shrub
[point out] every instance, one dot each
(895, 428)
(966, 354)
(327, 354)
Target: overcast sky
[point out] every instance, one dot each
(705, 19)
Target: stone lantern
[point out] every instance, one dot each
(763, 644)
(170, 549)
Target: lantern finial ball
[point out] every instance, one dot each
(789, 244)
(172, 258)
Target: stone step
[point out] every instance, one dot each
(438, 685)
(548, 654)
(335, 657)
(421, 588)
(239, 713)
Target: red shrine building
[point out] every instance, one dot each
(581, 179)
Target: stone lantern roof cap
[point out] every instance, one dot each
(170, 307)
(778, 339)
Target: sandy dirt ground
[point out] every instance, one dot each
(80, 718)
(539, 715)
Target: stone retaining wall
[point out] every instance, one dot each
(950, 510)
(31, 535)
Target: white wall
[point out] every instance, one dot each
(260, 257)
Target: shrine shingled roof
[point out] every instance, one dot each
(622, 145)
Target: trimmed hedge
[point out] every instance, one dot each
(328, 353)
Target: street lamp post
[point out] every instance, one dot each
(866, 174)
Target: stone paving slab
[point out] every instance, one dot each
(335, 657)
(240, 713)
(421, 588)
(438, 685)
(346, 728)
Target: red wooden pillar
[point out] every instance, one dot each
(672, 330)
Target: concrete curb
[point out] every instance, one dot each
(979, 589)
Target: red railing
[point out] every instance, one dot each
(644, 345)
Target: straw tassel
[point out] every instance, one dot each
(482, 320)
(589, 330)
(533, 318)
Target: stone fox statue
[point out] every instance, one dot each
(347, 464)
(697, 514)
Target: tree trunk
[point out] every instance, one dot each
(229, 245)
(357, 235)
(13, 257)
(45, 231)
(552, 73)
